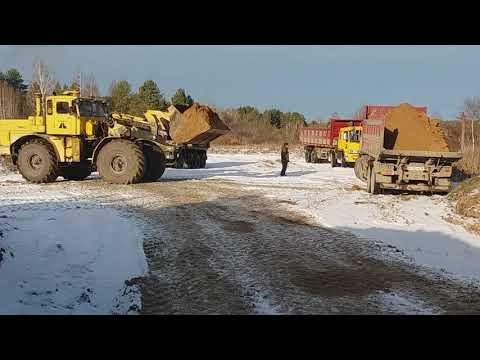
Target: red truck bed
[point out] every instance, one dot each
(325, 136)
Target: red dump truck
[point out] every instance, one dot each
(339, 142)
(385, 162)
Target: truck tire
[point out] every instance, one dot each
(76, 171)
(155, 165)
(313, 157)
(308, 154)
(343, 163)
(37, 162)
(358, 169)
(333, 159)
(182, 160)
(203, 162)
(369, 180)
(121, 162)
(372, 186)
(195, 160)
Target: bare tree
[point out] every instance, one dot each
(89, 86)
(472, 111)
(44, 79)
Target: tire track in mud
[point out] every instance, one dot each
(213, 250)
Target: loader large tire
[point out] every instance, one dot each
(121, 162)
(76, 172)
(155, 165)
(37, 162)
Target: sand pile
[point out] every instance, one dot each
(408, 129)
(195, 124)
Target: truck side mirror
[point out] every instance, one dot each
(72, 110)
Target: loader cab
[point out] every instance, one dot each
(68, 114)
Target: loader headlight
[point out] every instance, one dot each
(353, 151)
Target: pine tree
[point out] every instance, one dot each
(58, 88)
(151, 97)
(14, 78)
(181, 98)
(121, 96)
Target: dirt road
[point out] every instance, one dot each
(212, 249)
(216, 247)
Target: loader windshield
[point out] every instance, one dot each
(91, 108)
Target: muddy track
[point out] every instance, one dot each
(215, 248)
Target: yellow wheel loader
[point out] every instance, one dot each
(70, 136)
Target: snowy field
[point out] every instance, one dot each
(336, 198)
(63, 252)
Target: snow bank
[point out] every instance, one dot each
(67, 261)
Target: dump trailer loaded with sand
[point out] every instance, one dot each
(406, 150)
(192, 131)
(184, 133)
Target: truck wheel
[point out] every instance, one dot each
(121, 162)
(181, 162)
(343, 163)
(203, 163)
(373, 186)
(369, 179)
(333, 159)
(37, 162)
(313, 157)
(196, 160)
(155, 165)
(76, 171)
(358, 169)
(307, 156)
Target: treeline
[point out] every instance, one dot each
(463, 134)
(250, 126)
(122, 99)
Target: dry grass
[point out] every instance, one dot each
(466, 201)
(470, 163)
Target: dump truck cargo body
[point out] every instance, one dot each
(409, 170)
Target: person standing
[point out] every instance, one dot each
(285, 158)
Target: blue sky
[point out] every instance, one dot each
(314, 80)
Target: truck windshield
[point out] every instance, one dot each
(91, 108)
(355, 135)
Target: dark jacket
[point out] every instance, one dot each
(285, 157)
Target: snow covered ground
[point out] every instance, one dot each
(65, 256)
(62, 252)
(336, 198)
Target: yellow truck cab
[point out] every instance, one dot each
(348, 145)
